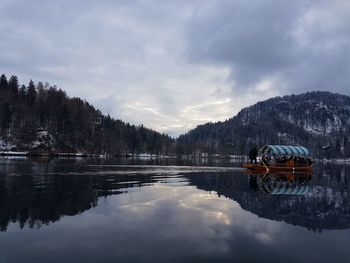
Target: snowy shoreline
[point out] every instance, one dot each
(125, 155)
(145, 156)
(27, 153)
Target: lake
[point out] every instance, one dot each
(95, 210)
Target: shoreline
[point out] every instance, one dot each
(142, 156)
(123, 155)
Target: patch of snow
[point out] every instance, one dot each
(282, 135)
(315, 129)
(12, 153)
(321, 106)
(5, 146)
(43, 138)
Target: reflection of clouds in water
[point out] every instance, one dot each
(208, 205)
(201, 220)
(155, 170)
(172, 213)
(167, 222)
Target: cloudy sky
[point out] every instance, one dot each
(172, 65)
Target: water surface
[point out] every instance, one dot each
(85, 210)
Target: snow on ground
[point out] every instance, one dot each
(4, 146)
(13, 153)
(43, 138)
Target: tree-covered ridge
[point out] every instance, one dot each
(41, 117)
(319, 120)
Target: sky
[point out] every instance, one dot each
(172, 65)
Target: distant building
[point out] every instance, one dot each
(96, 126)
(98, 121)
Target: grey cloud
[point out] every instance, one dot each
(171, 64)
(266, 39)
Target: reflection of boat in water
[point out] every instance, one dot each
(282, 158)
(276, 168)
(319, 201)
(282, 183)
(31, 199)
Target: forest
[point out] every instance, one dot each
(318, 120)
(42, 118)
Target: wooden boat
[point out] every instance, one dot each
(277, 151)
(272, 168)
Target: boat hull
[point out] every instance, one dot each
(262, 168)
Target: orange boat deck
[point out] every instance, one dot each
(272, 168)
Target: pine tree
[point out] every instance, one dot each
(6, 116)
(22, 92)
(13, 85)
(31, 93)
(3, 82)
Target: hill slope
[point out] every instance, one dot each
(41, 118)
(319, 120)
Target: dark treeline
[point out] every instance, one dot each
(40, 117)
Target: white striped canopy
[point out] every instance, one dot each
(284, 150)
(284, 190)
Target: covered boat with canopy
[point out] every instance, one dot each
(282, 158)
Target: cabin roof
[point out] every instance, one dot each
(284, 150)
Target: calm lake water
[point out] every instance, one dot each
(166, 211)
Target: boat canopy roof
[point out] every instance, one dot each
(285, 189)
(293, 190)
(284, 150)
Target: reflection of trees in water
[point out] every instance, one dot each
(325, 204)
(37, 200)
(31, 199)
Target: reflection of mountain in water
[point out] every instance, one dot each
(324, 205)
(33, 194)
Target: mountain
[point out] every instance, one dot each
(42, 119)
(318, 120)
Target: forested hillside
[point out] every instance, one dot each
(42, 118)
(318, 120)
